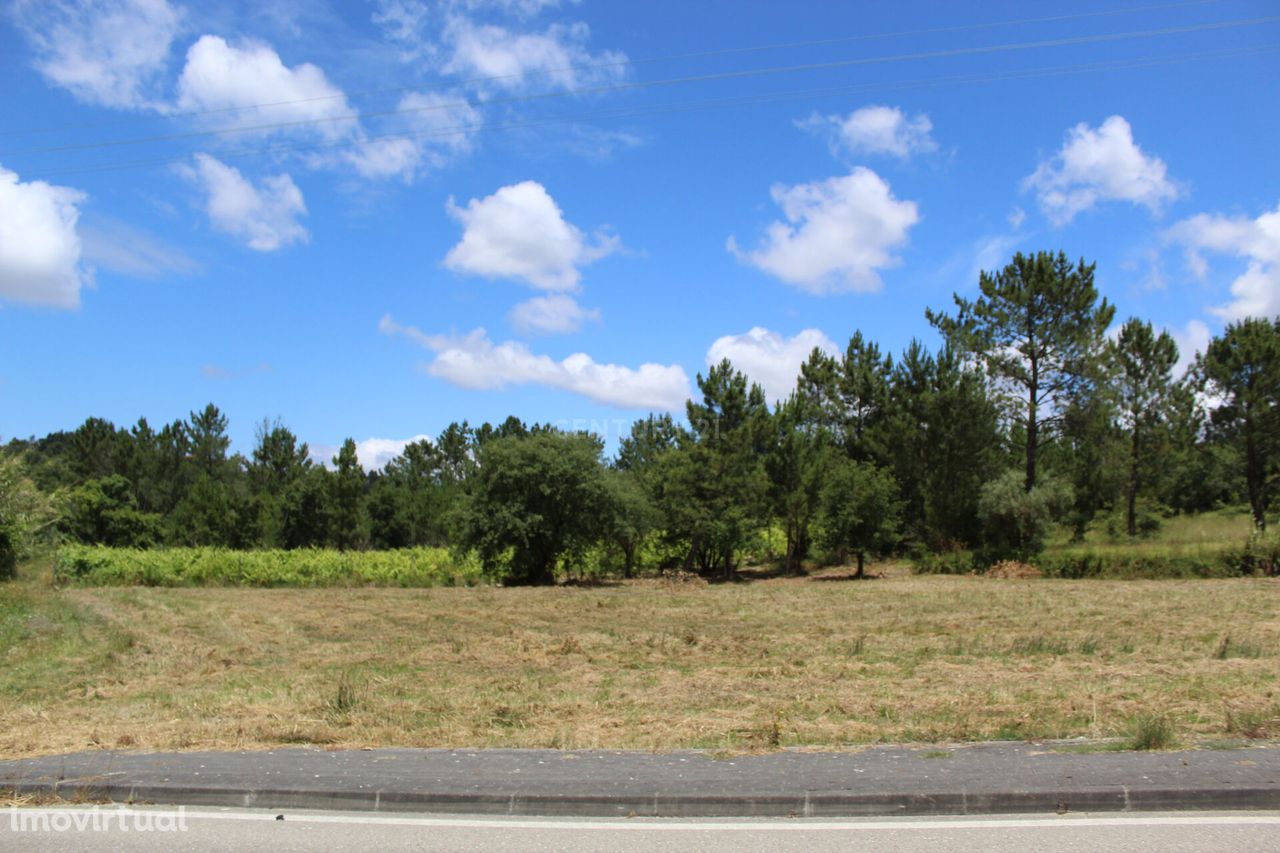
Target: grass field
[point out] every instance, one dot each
(821, 662)
(1205, 532)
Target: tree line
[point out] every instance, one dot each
(1028, 414)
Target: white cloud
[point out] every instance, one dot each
(1099, 165)
(991, 253)
(251, 79)
(105, 53)
(473, 361)
(265, 216)
(551, 315)
(1191, 339)
(1256, 292)
(519, 232)
(375, 453)
(496, 57)
(523, 8)
(113, 245)
(839, 233)
(404, 22)
(434, 127)
(39, 246)
(768, 358)
(877, 130)
(372, 453)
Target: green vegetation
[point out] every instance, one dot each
(1029, 437)
(94, 565)
(1151, 732)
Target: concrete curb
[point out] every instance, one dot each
(986, 779)
(814, 804)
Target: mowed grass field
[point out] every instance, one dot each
(816, 662)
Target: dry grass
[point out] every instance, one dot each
(649, 665)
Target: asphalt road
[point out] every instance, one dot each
(245, 829)
(996, 778)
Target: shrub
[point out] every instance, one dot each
(946, 563)
(1088, 563)
(24, 514)
(1015, 520)
(92, 565)
(1151, 732)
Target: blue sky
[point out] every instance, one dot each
(371, 219)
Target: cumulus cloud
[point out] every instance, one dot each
(251, 79)
(39, 247)
(264, 216)
(1102, 164)
(770, 359)
(839, 233)
(551, 315)
(499, 58)
(106, 53)
(520, 233)
(474, 361)
(1256, 291)
(876, 130)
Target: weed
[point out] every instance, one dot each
(1039, 645)
(1229, 648)
(1252, 723)
(346, 697)
(1152, 732)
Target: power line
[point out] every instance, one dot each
(684, 107)
(633, 62)
(700, 78)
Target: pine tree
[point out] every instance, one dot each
(1038, 328)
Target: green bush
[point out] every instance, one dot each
(95, 565)
(1016, 521)
(1087, 563)
(946, 563)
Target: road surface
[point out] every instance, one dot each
(205, 829)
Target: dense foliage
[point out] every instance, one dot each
(1029, 415)
(410, 567)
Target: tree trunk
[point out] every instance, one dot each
(1255, 475)
(728, 562)
(694, 547)
(1033, 425)
(859, 573)
(789, 566)
(628, 559)
(1132, 516)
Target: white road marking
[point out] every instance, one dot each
(699, 825)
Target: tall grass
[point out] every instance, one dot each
(1218, 544)
(94, 565)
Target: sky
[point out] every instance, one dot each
(370, 219)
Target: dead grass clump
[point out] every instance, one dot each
(1253, 723)
(1013, 570)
